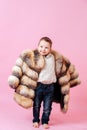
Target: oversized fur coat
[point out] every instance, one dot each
(24, 77)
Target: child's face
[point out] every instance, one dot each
(44, 47)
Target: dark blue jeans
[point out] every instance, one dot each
(43, 92)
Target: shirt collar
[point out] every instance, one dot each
(49, 55)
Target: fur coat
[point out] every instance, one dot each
(24, 77)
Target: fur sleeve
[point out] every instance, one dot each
(68, 78)
(23, 80)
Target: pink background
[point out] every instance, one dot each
(22, 24)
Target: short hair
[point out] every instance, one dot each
(47, 39)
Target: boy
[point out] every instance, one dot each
(45, 86)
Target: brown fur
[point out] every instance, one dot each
(25, 91)
(16, 70)
(23, 101)
(25, 80)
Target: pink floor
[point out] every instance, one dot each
(14, 117)
(22, 119)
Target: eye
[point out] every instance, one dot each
(41, 46)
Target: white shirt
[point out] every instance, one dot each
(47, 74)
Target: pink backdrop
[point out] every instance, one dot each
(22, 24)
